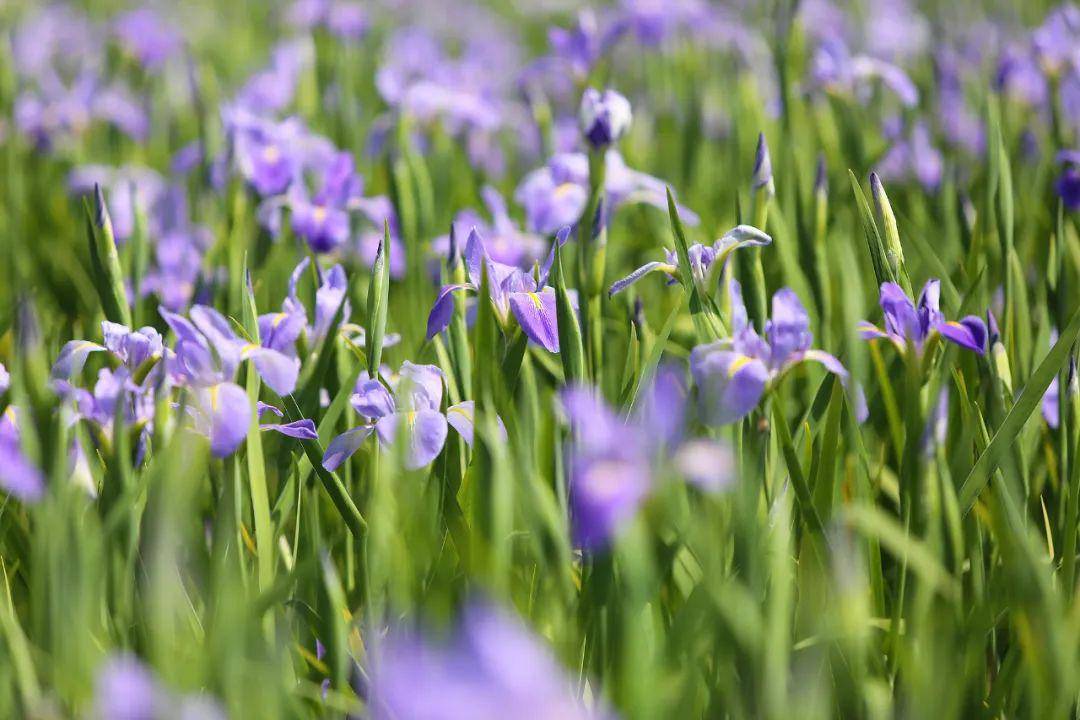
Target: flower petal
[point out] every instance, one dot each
(278, 370)
(344, 445)
(620, 285)
(299, 429)
(72, 358)
(969, 332)
(535, 312)
(442, 310)
(707, 464)
(229, 411)
(462, 417)
(729, 383)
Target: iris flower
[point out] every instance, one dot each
(413, 403)
(702, 257)
(611, 460)
(907, 322)
(512, 291)
(733, 373)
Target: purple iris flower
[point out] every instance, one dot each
(413, 403)
(1068, 182)
(128, 190)
(733, 373)
(344, 20)
(126, 689)
(1019, 77)
(19, 477)
(505, 242)
(512, 291)
(1055, 42)
(611, 459)
(916, 323)
(272, 89)
(205, 361)
(604, 116)
(702, 257)
(913, 156)
(148, 36)
(555, 195)
(835, 69)
(580, 46)
(491, 667)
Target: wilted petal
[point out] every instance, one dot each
(535, 312)
(729, 383)
(72, 358)
(344, 445)
(299, 429)
(707, 464)
(229, 411)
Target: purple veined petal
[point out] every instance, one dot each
(229, 412)
(344, 446)
(261, 407)
(299, 429)
(426, 431)
(462, 417)
(475, 257)
(443, 309)
(535, 312)
(620, 285)
(420, 387)
(729, 383)
(969, 333)
(185, 331)
(279, 331)
(372, 399)
(72, 358)
(788, 330)
(707, 464)
(278, 370)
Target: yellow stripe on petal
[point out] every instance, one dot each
(278, 319)
(536, 300)
(738, 364)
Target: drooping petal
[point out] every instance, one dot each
(729, 383)
(72, 358)
(833, 365)
(261, 407)
(426, 432)
(344, 445)
(620, 285)
(278, 370)
(970, 333)
(535, 312)
(299, 429)
(229, 412)
(442, 310)
(216, 329)
(561, 236)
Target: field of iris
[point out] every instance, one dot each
(437, 359)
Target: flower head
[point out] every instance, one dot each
(604, 116)
(907, 322)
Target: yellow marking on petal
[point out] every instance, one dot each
(460, 411)
(410, 418)
(9, 413)
(563, 189)
(953, 323)
(738, 364)
(278, 319)
(214, 391)
(319, 213)
(248, 349)
(536, 301)
(271, 153)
